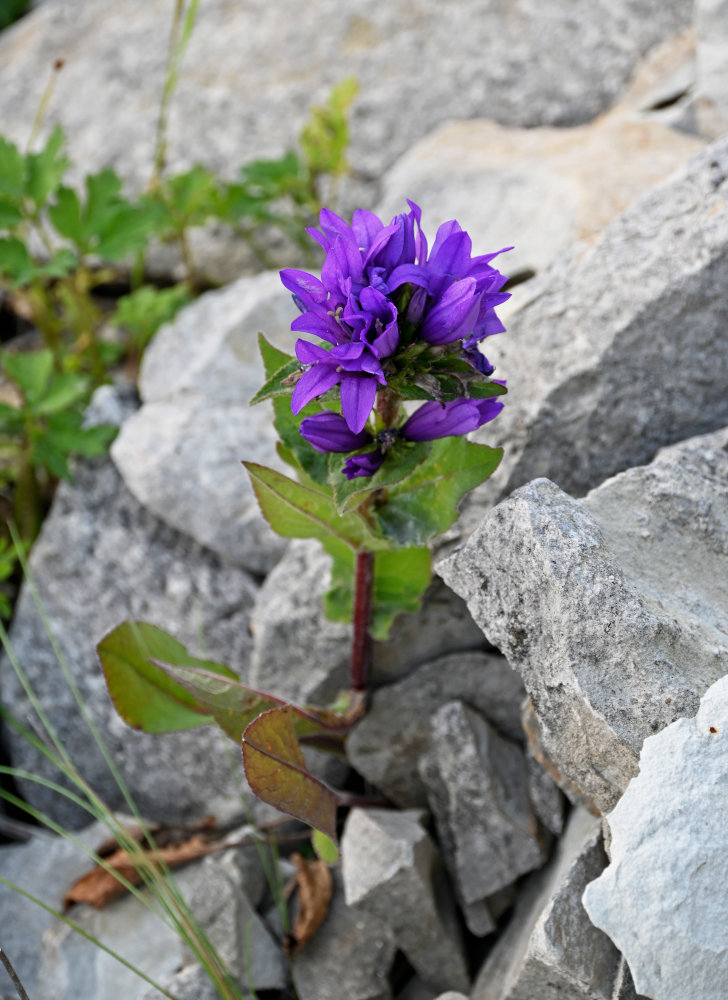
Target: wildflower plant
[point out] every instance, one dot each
(372, 414)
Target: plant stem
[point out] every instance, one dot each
(361, 646)
(13, 975)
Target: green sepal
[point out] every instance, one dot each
(278, 367)
(400, 463)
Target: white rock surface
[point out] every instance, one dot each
(541, 189)
(180, 453)
(251, 71)
(662, 899)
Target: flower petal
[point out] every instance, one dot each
(328, 432)
(315, 382)
(358, 393)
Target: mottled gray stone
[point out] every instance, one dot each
(385, 747)
(215, 894)
(592, 354)
(480, 801)
(180, 453)
(350, 955)
(523, 65)
(101, 559)
(624, 984)
(392, 872)
(614, 609)
(549, 949)
(546, 797)
(190, 983)
(297, 652)
(662, 899)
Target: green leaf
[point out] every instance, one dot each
(144, 694)
(426, 504)
(403, 460)
(276, 772)
(325, 136)
(12, 171)
(15, 261)
(31, 370)
(63, 391)
(65, 214)
(45, 169)
(233, 705)
(401, 577)
(144, 310)
(10, 214)
(279, 384)
(46, 454)
(324, 847)
(298, 511)
(11, 10)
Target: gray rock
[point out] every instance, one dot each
(385, 747)
(391, 871)
(416, 989)
(100, 559)
(666, 879)
(349, 956)
(480, 801)
(180, 454)
(297, 652)
(546, 798)
(624, 984)
(540, 188)
(435, 62)
(214, 893)
(593, 353)
(189, 983)
(613, 609)
(549, 949)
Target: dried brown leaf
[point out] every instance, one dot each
(99, 887)
(315, 885)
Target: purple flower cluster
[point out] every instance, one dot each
(329, 432)
(380, 291)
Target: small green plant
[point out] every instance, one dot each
(11, 10)
(375, 482)
(41, 432)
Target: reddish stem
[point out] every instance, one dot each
(361, 646)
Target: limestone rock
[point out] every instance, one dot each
(180, 454)
(549, 949)
(666, 880)
(524, 66)
(613, 609)
(541, 189)
(478, 789)
(349, 956)
(711, 26)
(592, 355)
(386, 745)
(101, 559)
(391, 871)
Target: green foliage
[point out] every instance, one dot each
(144, 310)
(11, 10)
(158, 686)
(277, 772)
(42, 431)
(325, 137)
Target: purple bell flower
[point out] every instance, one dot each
(328, 431)
(363, 465)
(459, 416)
